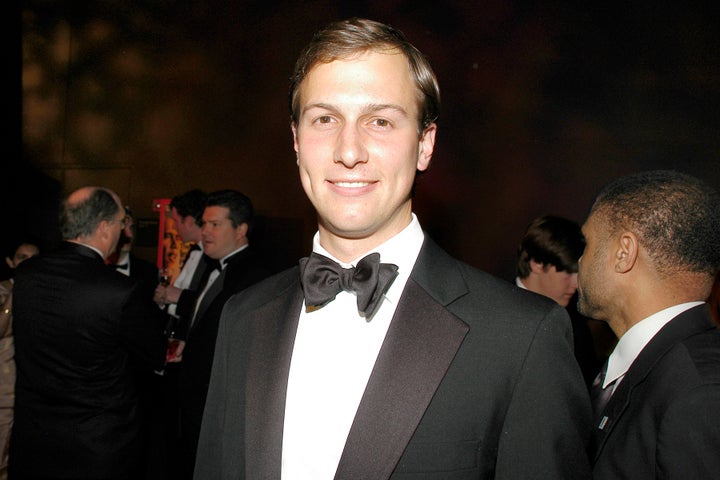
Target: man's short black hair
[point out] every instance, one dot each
(191, 204)
(240, 206)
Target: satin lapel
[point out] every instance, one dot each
(688, 323)
(273, 328)
(420, 345)
(210, 295)
(198, 274)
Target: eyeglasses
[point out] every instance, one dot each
(124, 222)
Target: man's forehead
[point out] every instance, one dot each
(216, 212)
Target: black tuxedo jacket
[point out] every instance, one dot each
(145, 273)
(78, 324)
(475, 379)
(242, 270)
(663, 420)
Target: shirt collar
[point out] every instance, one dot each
(637, 337)
(224, 260)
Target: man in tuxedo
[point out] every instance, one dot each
(79, 326)
(653, 247)
(186, 211)
(416, 367)
(178, 300)
(233, 265)
(125, 262)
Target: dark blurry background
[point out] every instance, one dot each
(543, 103)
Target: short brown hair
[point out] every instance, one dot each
(355, 36)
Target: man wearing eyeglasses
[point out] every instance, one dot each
(80, 327)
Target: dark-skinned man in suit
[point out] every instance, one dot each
(653, 248)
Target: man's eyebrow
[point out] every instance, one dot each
(366, 109)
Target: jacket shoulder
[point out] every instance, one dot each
(265, 290)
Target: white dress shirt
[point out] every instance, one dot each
(186, 274)
(334, 353)
(636, 338)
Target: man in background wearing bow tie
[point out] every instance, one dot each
(232, 265)
(186, 211)
(415, 367)
(123, 260)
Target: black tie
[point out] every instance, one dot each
(211, 263)
(599, 396)
(322, 279)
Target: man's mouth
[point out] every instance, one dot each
(351, 184)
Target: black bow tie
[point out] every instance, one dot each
(322, 279)
(211, 263)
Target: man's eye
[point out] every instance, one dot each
(324, 119)
(381, 122)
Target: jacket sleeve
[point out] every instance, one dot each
(142, 330)
(548, 422)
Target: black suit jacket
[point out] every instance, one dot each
(145, 273)
(77, 325)
(475, 379)
(663, 420)
(242, 270)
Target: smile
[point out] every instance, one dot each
(351, 184)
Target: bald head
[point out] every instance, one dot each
(93, 216)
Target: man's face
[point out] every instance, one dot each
(117, 227)
(358, 145)
(560, 286)
(219, 236)
(182, 224)
(595, 268)
(127, 236)
(23, 252)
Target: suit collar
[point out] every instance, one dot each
(434, 263)
(690, 322)
(82, 249)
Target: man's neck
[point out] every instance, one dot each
(346, 249)
(89, 244)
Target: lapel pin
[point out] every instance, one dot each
(603, 422)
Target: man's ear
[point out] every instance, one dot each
(427, 146)
(293, 127)
(241, 231)
(536, 267)
(9, 261)
(626, 253)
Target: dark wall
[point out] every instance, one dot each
(543, 103)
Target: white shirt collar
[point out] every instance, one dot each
(637, 337)
(223, 259)
(519, 283)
